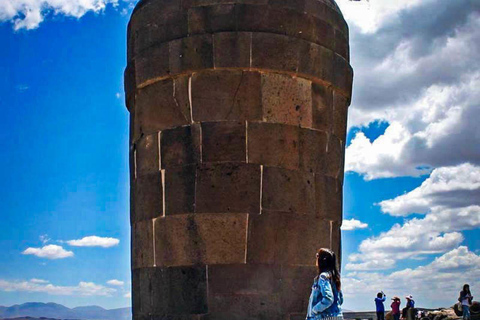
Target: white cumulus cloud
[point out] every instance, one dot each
(50, 251)
(450, 202)
(115, 282)
(421, 78)
(369, 15)
(451, 187)
(28, 14)
(445, 275)
(353, 224)
(34, 280)
(94, 241)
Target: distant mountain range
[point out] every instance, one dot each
(58, 311)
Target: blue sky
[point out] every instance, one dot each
(411, 194)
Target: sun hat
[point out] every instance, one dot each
(409, 297)
(395, 298)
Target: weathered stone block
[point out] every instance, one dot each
(142, 244)
(130, 86)
(313, 149)
(286, 238)
(191, 53)
(243, 279)
(288, 191)
(278, 20)
(296, 286)
(180, 189)
(198, 3)
(262, 239)
(224, 142)
(244, 307)
(316, 61)
(157, 108)
(336, 243)
(152, 63)
(298, 5)
(147, 155)
(324, 34)
(168, 317)
(340, 113)
(180, 146)
(322, 100)
(305, 25)
(276, 52)
(226, 95)
(285, 18)
(195, 300)
(273, 144)
(184, 240)
(162, 295)
(287, 100)
(253, 18)
(141, 292)
(335, 157)
(148, 202)
(341, 45)
(197, 20)
(159, 28)
(343, 75)
(304, 237)
(148, 12)
(328, 194)
(327, 12)
(228, 188)
(181, 95)
(232, 49)
(296, 316)
(210, 19)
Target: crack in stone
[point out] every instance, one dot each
(235, 95)
(176, 101)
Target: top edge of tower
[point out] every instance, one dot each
(331, 3)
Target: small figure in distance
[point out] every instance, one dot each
(326, 296)
(395, 308)
(410, 305)
(379, 300)
(466, 299)
(410, 302)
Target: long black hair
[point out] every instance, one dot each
(466, 290)
(327, 262)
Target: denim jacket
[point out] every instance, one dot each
(325, 300)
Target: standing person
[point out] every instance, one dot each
(410, 305)
(379, 300)
(410, 302)
(395, 308)
(326, 296)
(466, 299)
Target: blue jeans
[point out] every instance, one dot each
(396, 316)
(466, 312)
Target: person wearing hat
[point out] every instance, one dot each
(410, 305)
(379, 300)
(410, 302)
(395, 308)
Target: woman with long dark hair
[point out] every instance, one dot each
(466, 301)
(326, 297)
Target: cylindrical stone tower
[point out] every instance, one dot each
(238, 120)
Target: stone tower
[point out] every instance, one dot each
(238, 120)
